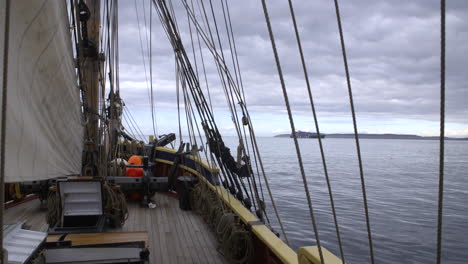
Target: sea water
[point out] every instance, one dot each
(401, 179)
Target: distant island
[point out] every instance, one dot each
(370, 136)
(302, 134)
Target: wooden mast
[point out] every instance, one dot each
(90, 68)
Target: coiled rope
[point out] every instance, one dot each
(53, 209)
(115, 206)
(235, 241)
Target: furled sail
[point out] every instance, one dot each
(44, 130)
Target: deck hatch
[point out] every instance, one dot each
(81, 198)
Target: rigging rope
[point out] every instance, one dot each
(233, 105)
(291, 121)
(238, 76)
(356, 137)
(190, 112)
(229, 34)
(442, 132)
(108, 64)
(222, 67)
(178, 99)
(209, 42)
(6, 40)
(144, 65)
(129, 131)
(117, 64)
(229, 96)
(133, 123)
(242, 103)
(235, 50)
(319, 138)
(151, 70)
(227, 86)
(192, 82)
(203, 64)
(146, 26)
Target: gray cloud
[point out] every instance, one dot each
(392, 45)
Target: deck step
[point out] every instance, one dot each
(20, 243)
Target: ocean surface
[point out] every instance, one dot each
(402, 188)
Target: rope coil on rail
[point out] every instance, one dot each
(53, 209)
(235, 241)
(115, 206)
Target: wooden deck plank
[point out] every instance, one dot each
(161, 229)
(156, 234)
(191, 247)
(181, 248)
(29, 213)
(154, 245)
(174, 236)
(206, 239)
(164, 232)
(195, 238)
(167, 232)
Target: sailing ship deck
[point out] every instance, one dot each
(175, 236)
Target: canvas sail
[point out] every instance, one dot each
(44, 128)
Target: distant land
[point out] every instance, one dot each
(302, 134)
(381, 136)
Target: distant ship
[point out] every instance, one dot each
(302, 134)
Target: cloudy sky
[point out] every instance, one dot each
(393, 51)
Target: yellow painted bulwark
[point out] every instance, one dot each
(310, 255)
(202, 162)
(306, 255)
(279, 248)
(194, 172)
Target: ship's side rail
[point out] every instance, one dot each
(281, 251)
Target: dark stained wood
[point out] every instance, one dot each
(175, 166)
(100, 238)
(174, 236)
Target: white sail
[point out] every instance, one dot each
(44, 130)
